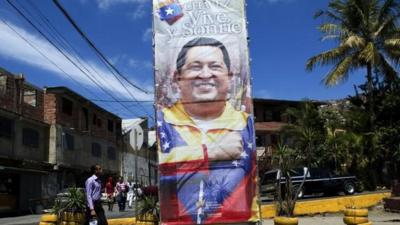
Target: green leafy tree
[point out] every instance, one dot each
(307, 130)
(368, 37)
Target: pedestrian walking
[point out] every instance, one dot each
(93, 189)
(109, 190)
(121, 189)
(130, 193)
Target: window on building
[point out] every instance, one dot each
(96, 150)
(30, 97)
(69, 141)
(85, 121)
(118, 130)
(30, 137)
(267, 116)
(67, 106)
(99, 122)
(3, 84)
(6, 127)
(94, 122)
(111, 153)
(110, 125)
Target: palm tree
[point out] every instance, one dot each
(368, 35)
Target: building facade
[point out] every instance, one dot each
(48, 140)
(80, 134)
(24, 164)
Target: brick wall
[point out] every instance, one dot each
(76, 118)
(50, 108)
(12, 98)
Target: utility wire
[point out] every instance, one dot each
(107, 63)
(66, 56)
(73, 23)
(42, 54)
(62, 41)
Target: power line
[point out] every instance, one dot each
(65, 55)
(42, 54)
(62, 41)
(107, 63)
(73, 23)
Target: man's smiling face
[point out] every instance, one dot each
(204, 76)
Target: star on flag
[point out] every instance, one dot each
(165, 145)
(236, 163)
(244, 155)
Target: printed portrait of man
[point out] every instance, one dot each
(207, 149)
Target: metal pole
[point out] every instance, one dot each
(136, 168)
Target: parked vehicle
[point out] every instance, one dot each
(317, 181)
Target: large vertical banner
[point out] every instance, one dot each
(205, 128)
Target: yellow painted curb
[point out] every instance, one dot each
(338, 204)
(122, 221)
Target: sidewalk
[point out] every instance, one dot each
(34, 219)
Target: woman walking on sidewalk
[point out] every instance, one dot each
(109, 190)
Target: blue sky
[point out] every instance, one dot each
(283, 36)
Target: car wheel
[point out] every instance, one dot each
(349, 188)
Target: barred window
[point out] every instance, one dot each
(6, 127)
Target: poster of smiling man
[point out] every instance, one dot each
(205, 127)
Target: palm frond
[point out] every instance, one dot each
(354, 41)
(393, 42)
(367, 55)
(329, 57)
(339, 72)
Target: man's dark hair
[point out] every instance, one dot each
(201, 41)
(93, 168)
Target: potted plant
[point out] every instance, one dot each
(149, 208)
(70, 206)
(287, 194)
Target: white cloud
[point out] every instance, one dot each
(147, 34)
(13, 47)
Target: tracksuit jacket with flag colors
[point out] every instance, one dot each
(194, 190)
